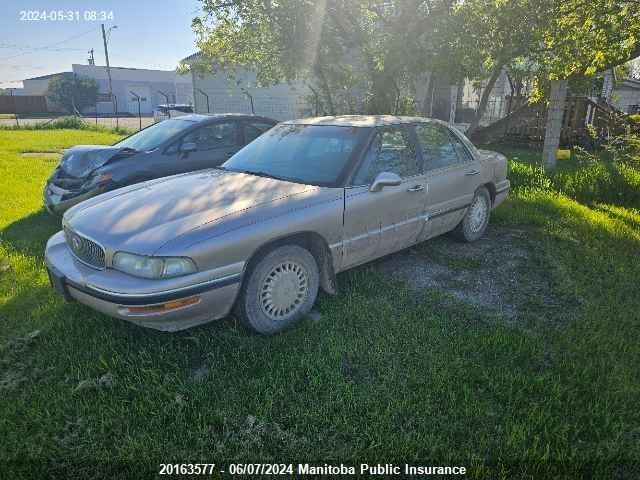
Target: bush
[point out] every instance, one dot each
(634, 121)
(608, 176)
(72, 92)
(527, 175)
(70, 122)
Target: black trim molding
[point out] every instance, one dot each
(447, 212)
(160, 297)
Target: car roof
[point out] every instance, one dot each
(362, 120)
(202, 117)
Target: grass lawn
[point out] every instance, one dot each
(385, 375)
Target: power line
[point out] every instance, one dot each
(61, 49)
(49, 47)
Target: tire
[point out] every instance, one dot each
(279, 291)
(475, 221)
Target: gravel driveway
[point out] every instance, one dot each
(504, 273)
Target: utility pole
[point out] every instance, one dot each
(92, 61)
(106, 56)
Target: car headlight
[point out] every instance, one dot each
(98, 179)
(153, 267)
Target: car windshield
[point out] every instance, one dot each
(151, 137)
(309, 154)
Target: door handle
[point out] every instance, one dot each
(416, 188)
(473, 172)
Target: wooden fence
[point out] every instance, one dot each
(525, 124)
(23, 104)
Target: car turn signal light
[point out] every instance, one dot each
(165, 307)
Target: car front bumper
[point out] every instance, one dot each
(58, 200)
(203, 302)
(502, 191)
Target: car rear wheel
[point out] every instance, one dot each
(474, 224)
(280, 290)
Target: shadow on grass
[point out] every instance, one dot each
(29, 234)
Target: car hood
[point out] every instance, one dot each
(81, 160)
(143, 217)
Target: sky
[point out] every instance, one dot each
(149, 34)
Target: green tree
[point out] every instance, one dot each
(564, 40)
(356, 55)
(378, 56)
(72, 92)
(583, 37)
(491, 36)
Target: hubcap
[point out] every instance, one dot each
(283, 290)
(477, 214)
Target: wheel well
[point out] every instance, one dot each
(492, 191)
(315, 244)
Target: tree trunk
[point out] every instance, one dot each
(422, 89)
(484, 99)
(553, 126)
(326, 89)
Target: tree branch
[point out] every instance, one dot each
(484, 99)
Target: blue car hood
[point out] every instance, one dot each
(81, 160)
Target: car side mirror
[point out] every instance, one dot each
(385, 179)
(188, 147)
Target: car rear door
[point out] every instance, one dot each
(452, 173)
(378, 223)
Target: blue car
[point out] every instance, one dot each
(177, 145)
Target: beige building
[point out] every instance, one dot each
(626, 96)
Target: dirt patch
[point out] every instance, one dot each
(199, 374)
(503, 273)
(46, 154)
(254, 434)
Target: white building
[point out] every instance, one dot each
(234, 93)
(37, 85)
(497, 104)
(154, 87)
(626, 96)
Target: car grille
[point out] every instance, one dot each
(87, 251)
(65, 181)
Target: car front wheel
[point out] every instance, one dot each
(280, 290)
(475, 221)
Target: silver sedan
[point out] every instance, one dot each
(261, 234)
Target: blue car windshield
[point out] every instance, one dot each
(309, 154)
(153, 136)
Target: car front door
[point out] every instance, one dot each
(453, 174)
(208, 146)
(384, 221)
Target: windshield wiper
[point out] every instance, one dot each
(260, 173)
